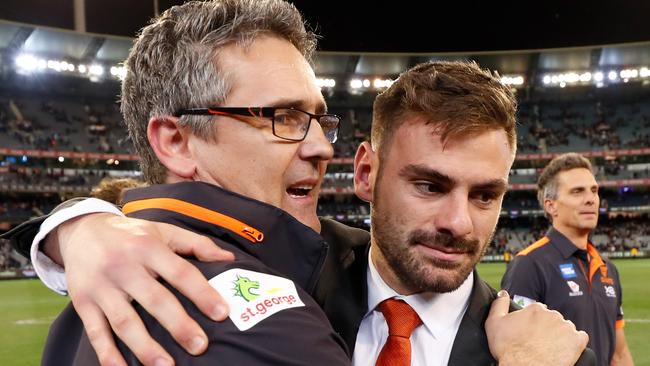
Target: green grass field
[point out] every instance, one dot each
(27, 308)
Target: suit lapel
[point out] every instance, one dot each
(471, 346)
(342, 290)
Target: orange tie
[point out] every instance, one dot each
(402, 320)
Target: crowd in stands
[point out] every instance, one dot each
(49, 176)
(6, 262)
(544, 127)
(64, 126)
(623, 233)
(95, 126)
(16, 208)
(583, 126)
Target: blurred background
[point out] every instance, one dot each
(581, 72)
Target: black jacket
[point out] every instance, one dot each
(342, 292)
(269, 246)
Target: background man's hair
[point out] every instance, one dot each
(112, 189)
(172, 64)
(547, 183)
(459, 98)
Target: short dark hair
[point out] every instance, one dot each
(459, 98)
(547, 182)
(172, 64)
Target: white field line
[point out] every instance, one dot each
(642, 321)
(20, 302)
(37, 321)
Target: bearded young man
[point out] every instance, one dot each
(435, 173)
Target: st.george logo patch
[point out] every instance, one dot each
(254, 296)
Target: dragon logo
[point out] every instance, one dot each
(244, 286)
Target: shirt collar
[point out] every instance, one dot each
(439, 311)
(562, 243)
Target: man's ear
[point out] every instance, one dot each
(169, 141)
(365, 169)
(549, 207)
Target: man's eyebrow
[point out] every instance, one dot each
(495, 185)
(584, 188)
(422, 172)
(298, 104)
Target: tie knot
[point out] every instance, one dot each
(400, 317)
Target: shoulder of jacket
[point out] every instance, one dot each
(541, 243)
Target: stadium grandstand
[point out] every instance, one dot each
(61, 131)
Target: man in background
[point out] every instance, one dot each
(564, 270)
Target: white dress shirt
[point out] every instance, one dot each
(432, 341)
(49, 272)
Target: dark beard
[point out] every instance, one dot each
(421, 274)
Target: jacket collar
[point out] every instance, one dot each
(561, 243)
(266, 232)
(471, 345)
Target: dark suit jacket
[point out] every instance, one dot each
(342, 292)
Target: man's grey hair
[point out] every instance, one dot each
(547, 183)
(172, 64)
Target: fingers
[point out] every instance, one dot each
(165, 307)
(189, 281)
(500, 305)
(186, 242)
(100, 335)
(128, 326)
(103, 277)
(584, 338)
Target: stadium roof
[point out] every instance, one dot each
(60, 43)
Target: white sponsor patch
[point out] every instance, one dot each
(523, 301)
(575, 288)
(610, 291)
(254, 296)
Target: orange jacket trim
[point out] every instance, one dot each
(620, 324)
(595, 263)
(538, 244)
(200, 213)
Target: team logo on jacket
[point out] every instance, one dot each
(575, 288)
(610, 291)
(523, 301)
(568, 271)
(244, 288)
(254, 296)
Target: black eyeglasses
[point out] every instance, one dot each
(288, 123)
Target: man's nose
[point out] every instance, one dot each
(315, 146)
(591, 198)
(454, 217)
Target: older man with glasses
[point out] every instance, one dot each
(245, 177)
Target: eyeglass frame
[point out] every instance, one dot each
(262, 112)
